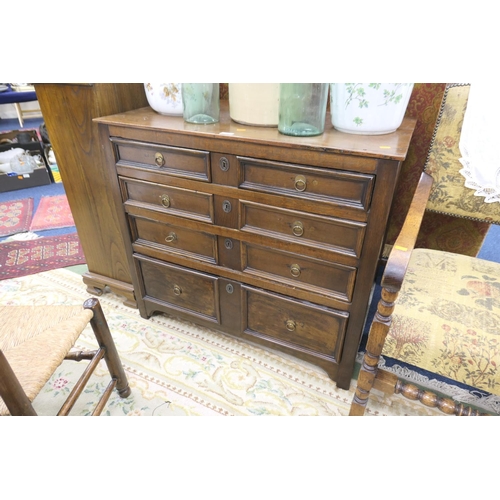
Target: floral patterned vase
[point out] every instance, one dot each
(165, 98)
(369, 108)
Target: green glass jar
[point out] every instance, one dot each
(201, 102)
(302, 109)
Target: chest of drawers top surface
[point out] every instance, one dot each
(388, 146)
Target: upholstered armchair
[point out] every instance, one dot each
(439, 311)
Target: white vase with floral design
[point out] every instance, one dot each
(165, 98)
(369, 108)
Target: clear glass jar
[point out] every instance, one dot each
(201, 102)
(302, 108)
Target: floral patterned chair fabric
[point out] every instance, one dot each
(439, 230)
(439, 311)
(447, 318)
(448, 195)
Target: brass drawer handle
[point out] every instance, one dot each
(159, 159)
(171, 237)
(295, 270)
(165, 200)
(177, 290)
(290, 325)
(300, 183)
(298, 228)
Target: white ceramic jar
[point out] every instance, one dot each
(254, 103)
(369, 108)
(165, 98)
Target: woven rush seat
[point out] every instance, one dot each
(34, 341)
(447, 318)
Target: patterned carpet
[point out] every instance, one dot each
(176, 368)
(53, 212)
(15, 216)
(19, 258)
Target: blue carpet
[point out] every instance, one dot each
(491, 245)
(7, 124)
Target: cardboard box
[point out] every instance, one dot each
(39, 177)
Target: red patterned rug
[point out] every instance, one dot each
(53, 212)
(15, 216)
(20, 258)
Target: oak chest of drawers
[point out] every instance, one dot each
(270, 238)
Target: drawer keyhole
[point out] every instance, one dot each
(228, 244)
(159, 159)
(177, 290)
(171, 237)
(298, 228)
(229, 288)
(165, 200)
(295, 270)
(226, 206)
(290, 325)
(224, 164)
(300, 183)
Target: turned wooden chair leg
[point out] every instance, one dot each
(105, 340)
(11, 391)
(376, 338)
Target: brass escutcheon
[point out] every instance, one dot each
(300, 183)
(290, 325)
(298, 228)
(165, 200)
(159, 159)
(177, 290)
(295, 270)
(171, 237)
(224, 164)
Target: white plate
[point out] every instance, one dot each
(3, 88)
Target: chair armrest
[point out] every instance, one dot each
(398, 260)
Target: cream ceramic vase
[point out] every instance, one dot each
(254, 103)
(165, 98)
(369, 108)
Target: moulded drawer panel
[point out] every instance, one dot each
(181, 288)
(172, 200)
(301, 272)
(318, 329)
(175, 238)
(327, 185)
(181, 162)
(299, 227)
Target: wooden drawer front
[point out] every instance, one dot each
(302, 272)
(335, 186)
(181, 288)
(174, 238)
(318, 231)
(181, 162)
(315, 328)
(176, 201)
